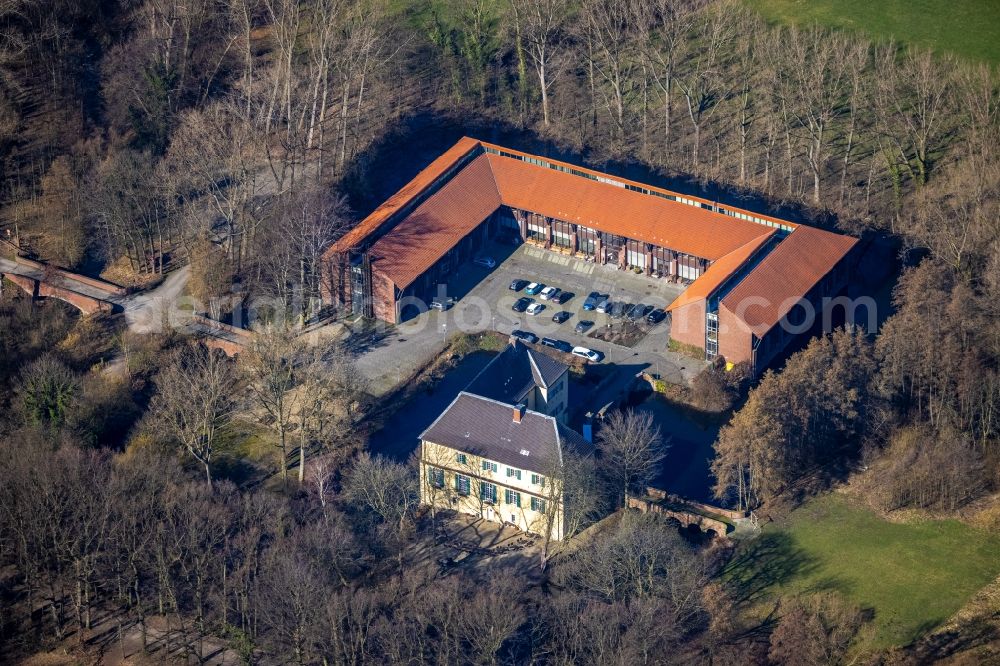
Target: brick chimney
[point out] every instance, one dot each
(519, 412)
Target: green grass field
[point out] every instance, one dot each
(967, 28)
(913, 576)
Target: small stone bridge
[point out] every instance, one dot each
(42, 280)
(706, 517)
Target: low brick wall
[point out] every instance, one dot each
(217, 325)
(28, 285)
(35, 289)
(109, 288)
(85, 304)
(227, 346)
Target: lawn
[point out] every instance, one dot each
(914, 576)
(968, 28)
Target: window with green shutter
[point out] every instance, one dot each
(512, 497)
(538, 505)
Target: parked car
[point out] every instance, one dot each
(589, 354)
(604, 305)
(656, 316)
(534, 288)
(535, 308)
(549, 293)
(524, 336)
(521, 304)
(619, 309)
(485, 262)
(561, 345)
(564, 296)
(638, 311)
(562, 316)
(442, 304)
(583, 326)
(518, 285)
(593, 298)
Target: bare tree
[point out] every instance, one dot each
(703, 79)
(610, 29)
(539, 24)
(914, 100)
(387, 489)
(194, 401)
(663, 28)
(643, 557)
(268, 363)
(631, 448)
(815, 82)
(332, 392)
(814, 630)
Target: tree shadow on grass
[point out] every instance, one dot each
(967, 635)
(769, 561)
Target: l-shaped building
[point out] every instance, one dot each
(746, 271)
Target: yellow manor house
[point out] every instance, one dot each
(500, 461)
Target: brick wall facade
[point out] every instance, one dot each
(687, 324)
(735, 339)
(384, 298)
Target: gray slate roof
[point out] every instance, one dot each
(484, 427)
(514, 372)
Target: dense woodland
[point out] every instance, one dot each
(238, 136)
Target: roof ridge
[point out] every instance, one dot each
(443, 412)
(696, 291)
(501, 403)
(539, 377)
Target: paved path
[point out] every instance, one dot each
(145, 311)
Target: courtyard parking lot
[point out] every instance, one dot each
(577, 277)
(387, 354)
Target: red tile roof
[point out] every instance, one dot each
(437, 224)
(489, 180)
(785, 275)
(624, 181)
(420, 182)
(717, 273)
(689, 229)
